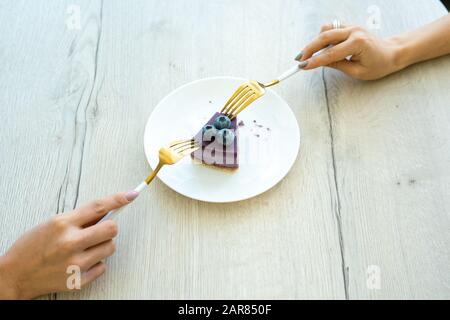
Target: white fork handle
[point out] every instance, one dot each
(289, 73)
(113, 213)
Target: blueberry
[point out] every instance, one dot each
(209, 132)
(225, 137)
(222, 122)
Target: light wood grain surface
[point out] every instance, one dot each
(368, 195)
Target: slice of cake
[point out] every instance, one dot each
(219, 141)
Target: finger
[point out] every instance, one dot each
(93, 273)
(96, 254)
(98, 233)
(328, 56)
(95, 210)
(299, 56)
(326, 27)
(347, 67)
(323, 28)
(331, 37)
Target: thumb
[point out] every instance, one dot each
(345, 66)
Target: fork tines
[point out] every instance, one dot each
(183, 145)
(242, 98)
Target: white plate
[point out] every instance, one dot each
(267, 149)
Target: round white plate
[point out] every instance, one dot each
(269, 141)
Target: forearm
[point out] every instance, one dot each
(8, 289)
(428, 42)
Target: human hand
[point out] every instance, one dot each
(371, 57)
(38, 262)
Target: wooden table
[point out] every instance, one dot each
(364, 212)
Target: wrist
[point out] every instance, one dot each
(404, 54)
(8, 286)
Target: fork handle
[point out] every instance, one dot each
(113, 213)
(289, 73)
(141, 187)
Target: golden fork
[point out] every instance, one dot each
(249, 91)
(168, 155)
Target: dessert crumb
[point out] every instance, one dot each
(241, 123)
(210, 101)
(257, 135)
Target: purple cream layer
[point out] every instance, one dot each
(214, 153)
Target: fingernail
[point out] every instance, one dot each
(131, 195)
(299, 56)
(303, 64)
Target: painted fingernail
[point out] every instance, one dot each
(131, 195)
(303, 64)
(299, 56)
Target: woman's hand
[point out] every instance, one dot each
(38, 262)
(371, 56)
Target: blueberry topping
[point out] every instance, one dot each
(222, 122)
(225, 137)
(209, 132)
